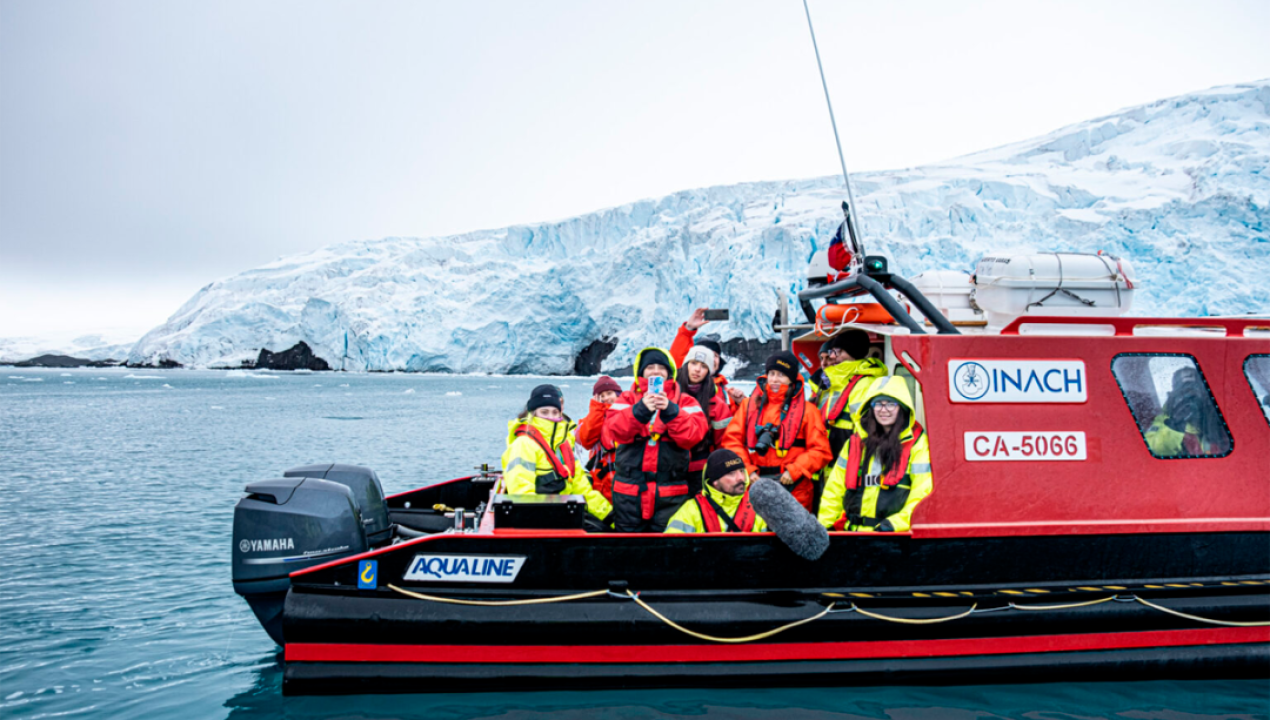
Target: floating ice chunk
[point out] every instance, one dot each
(167, 386)
(453, 393)
(344, 385)
(217, 407)
(410, 391)
(67, 375)
(32, 379)
(245, 374)
(16, 377)
(318, 385)
(68, 382)
(13, 696)
(142, 377)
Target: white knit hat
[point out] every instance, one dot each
(703, 355)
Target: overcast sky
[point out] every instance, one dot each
(148, 148)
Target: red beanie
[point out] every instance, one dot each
(606, 383)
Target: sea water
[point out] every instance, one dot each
(117, 490)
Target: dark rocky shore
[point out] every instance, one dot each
(300, 357)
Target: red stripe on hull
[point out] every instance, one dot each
(499, 654)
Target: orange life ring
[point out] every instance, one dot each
(853, 313)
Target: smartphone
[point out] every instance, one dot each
(656, 385)
(717, 314)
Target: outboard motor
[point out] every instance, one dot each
(367, 491)
(289, 524)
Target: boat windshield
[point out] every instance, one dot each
(1172, 404)
(1257, 368)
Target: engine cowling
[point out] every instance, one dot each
(288, 524)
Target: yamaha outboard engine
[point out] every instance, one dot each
(286, 525)
(367, 491)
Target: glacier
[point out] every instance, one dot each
(1180, 186)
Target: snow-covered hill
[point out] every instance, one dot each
(1181, 186)
(108, 346)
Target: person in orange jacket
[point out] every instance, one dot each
(590, 435)
(778, 433)
(653, 432)
(686, 339)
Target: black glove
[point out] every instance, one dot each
(821, 378)
(669, 413)
(1182, 414)
(641, 412)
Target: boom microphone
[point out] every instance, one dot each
(789, 519)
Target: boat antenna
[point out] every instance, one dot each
(847, 207)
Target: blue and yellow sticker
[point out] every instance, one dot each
(368, 574)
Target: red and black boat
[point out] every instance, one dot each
(1060, 540)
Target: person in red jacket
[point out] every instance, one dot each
(686, 339)
(778, 433)
(590, 435)
(652, 433)
(698, 381)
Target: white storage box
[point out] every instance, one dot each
(949, 292)
(1065, 284)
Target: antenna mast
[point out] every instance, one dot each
(846, 179)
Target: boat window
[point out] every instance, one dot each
(1172, 404)
(1257, 369)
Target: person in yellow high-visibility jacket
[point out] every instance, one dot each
(723, 505)
(884, 469)
(539, 459)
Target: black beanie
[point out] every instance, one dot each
(721, 462)
(785, 363)
(653, 356)
(853, 342)
(544, 396)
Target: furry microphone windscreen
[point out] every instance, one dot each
(796, 527)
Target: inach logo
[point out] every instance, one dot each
(465, 568)
(1017, 381)
(266, 545)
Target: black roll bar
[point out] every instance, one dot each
(886, 300)
(916, 297)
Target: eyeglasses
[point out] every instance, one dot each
(885, 405)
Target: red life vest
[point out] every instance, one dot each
(791, 424)
(836, 411)
(855, 460)
(744, 518)
(564, 466)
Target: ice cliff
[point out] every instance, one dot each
(1181, 186)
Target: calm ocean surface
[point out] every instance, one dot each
(117, 490)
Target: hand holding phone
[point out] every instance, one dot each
(717, 314)
(657, 385)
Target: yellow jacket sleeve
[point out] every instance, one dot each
(1163, 440)
(835, 490)
(687, 519)
(520, 467)
(580, 484)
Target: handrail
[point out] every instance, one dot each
(875, 289)
(1124, 326)
(892, 305)
(924, 305)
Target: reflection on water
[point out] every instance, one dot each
(116, 504)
